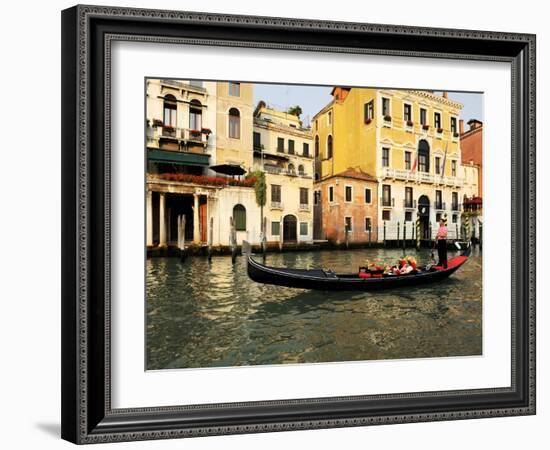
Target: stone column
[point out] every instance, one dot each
(196, 233)
(149, 215)
(162, 220)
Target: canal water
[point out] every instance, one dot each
(210, 314)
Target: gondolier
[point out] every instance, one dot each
(441, 239)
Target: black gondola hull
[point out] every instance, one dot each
(327, 281)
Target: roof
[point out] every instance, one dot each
(353, 173)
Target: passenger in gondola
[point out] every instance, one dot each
(441, 238)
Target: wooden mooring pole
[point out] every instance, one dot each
(181, 237)
(232, 240)
(210, 239)
(417, 231)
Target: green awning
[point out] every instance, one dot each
(175, 157)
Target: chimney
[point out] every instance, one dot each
(445, 94)
(461, 126)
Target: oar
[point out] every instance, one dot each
(433, 248)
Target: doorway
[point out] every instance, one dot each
(424, 212)
(289, 228)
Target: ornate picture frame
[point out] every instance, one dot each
(87, 35)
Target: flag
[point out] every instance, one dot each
(444, 159)
(414, 164)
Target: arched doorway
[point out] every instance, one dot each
(289, 228)
(424, 212)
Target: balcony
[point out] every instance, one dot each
(409, 204)
(387, 202)
(177, 157)
(181, 134)
(421, 177)
(440, 206)
(305, 207)
(276, 205)
(181, 85)
(455, 206)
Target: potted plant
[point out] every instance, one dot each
(206, 131)
(387, 118)
(455, 134)
(440, 130)
(425, 127)
(157, 123)
(410, 123)
(368, 120)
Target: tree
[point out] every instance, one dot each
(260, 189)
(295, 110)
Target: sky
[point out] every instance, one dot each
(313, 98)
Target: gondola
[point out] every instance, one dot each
(320, 279)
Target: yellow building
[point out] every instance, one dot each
(408, 140)
(283, 151)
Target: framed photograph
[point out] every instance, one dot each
(278, 224)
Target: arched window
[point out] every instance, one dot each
(234, 123)
(195, 115)
(291, 169)
(423, 156)
(239, 217)
(317, 146)
(329, 146)
(170, 109)
(301, 170)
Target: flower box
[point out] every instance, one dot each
(410, 123)
(157, 123)
(440, 130)
(455, 134)
(425, 127)
(387, 118)
(368, 120)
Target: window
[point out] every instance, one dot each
(331, 194)
(423, 116)
(195, 115)
(438, 165)
(275, 228)
(317, 197)
(291, 147)
(453, 168)
(329, 118)
(438, 217)
(385, 107)
(239, 217)
(368, 224)
(408, 197)
(408, 216)
(348, 194)
(369, 111)
(305, 150)
(329, 146)
(235, 89)
(407, 160)
(291, 169)
(438, 200)
(280, 144)
(304, 196)
(385, 157)
(257, 140)
(234, 123)
(437, 120)
(386, 195)
(386, 215)
(276, 193)
(317, 146)
(347, 224)
(453, 125)
(367, 195)
(455, 218)
(423, 156)
(303, 228)
(170, 109)
(301, 170)
(407, 112)
(455, 201)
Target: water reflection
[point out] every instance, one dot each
(202, 314)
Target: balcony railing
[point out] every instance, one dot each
(455, 206)
(304, 207)
(276, 205)
(182, 134)
(282, 171)
(387, 201)
(441, 206)
(421, 177)
(411, 204)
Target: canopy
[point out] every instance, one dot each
(228, 169)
